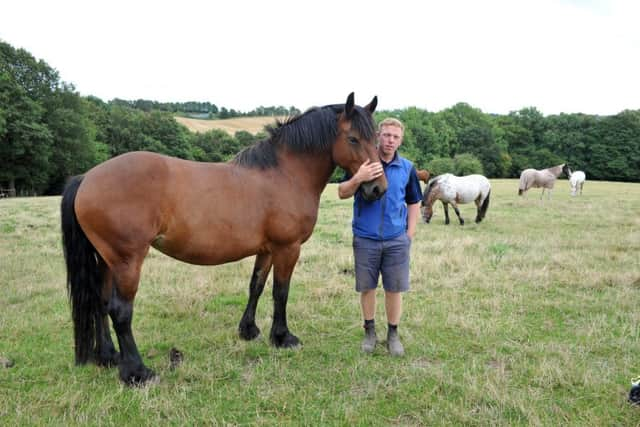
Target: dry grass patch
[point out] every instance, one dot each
(253, 125)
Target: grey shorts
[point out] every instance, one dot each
(389, 258)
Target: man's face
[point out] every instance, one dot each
(389, 139)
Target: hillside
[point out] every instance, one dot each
(252, 125)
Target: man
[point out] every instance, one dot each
(382, 233)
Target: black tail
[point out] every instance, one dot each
(484, 207)
(84, 276)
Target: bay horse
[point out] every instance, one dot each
(264, 202)
(545, 178)
(576, 181)
(423, 175)
(452, 189)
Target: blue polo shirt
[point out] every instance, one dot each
(386, 218)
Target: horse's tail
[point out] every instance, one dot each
(485, 206)
(84, 277)
(523, 184)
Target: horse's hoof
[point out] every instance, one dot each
(175, 358)
(139, 377)
(249, 332)
(286, 341)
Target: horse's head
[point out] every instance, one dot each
(566, 170)
(356, 143)
(427, 211)
(426, 206)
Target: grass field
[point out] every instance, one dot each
(530, 318)
(252, 125)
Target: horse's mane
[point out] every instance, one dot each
(313, 131)
(430, 186)
(556, 170)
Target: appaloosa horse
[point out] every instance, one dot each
(451, 189)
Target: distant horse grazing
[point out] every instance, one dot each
(453, 189)
(546, 178)
(576, 181)
(264, 203)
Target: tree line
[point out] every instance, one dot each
(49, 132)
(205, 110)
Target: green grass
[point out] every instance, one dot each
(530, 318)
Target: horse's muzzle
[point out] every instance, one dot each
(372, 191)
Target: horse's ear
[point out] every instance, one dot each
(372, 105)
(348, 107)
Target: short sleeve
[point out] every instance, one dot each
(413, 192)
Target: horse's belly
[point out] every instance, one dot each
(208, 249)
(467, 196)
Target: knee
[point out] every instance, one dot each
(120, 311)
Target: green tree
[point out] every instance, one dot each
(74, 147)
(467, 164)
(440, 165)
(25, 140)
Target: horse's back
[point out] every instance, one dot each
(468, 188)
(183, 208)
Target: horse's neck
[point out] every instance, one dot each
(310, 171)
(433, 195)
(556, 170)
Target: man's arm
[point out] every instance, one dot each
(413, 212)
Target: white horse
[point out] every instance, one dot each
(451, 189)
(576, 181)
(545, 178)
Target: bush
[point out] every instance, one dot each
(440, 165)
(467, 164)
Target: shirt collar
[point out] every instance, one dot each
(394, 161)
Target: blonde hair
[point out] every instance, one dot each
(391, 121)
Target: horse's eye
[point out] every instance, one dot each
(353, 140)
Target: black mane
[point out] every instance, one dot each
(312, 132)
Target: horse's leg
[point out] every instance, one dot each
(248, 329)
(284, 261)
(478, 206)
(457, 211)
(446, 212)
(106, 354)
(126, 278)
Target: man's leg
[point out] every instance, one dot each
(368, 305)
(395, 278)
(367, 255)
(393, 306)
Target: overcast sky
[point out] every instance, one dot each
(499, 56)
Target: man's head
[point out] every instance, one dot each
(390, 133)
